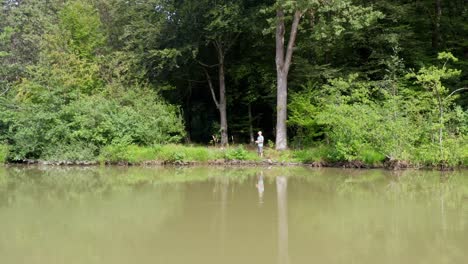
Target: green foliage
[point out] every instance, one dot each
(3, 153)
(302, 115)
(200, 154)
(6, 69)
(240, 153)
(224, 19)
(431, 78)
(340, 16)
(70, 105)
(81, 79)
(91, 122)
(69, 59)
(370, 156)
(179, 153)
(455, 153)
(271, 144)
(371, 121)
(82, 27)
(309, 155)
(72, 152)
(464, 152)
(123, 153)
(171, 153)
(347, 116)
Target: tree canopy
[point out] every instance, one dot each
(360, 76)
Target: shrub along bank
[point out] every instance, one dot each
(3, 153)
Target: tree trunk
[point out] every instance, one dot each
(283, 62)
(251, 133)
(281, 111)
(222, 104)
(188, 114)
(436, 25)
(441, 125)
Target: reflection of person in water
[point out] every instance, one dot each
(260, 187)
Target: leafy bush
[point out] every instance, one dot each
(113, 154)
(91, 122)
(455, 153)
(199, 154)
(173, 153)
(369, 121)
(320, 153)
(239, 153)
(347, 128)
(79, 151)
(370, 156)
(74, 99)
(132, 154)
(270, 144)
(464, 155)
(3, 153)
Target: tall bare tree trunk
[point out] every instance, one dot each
(188, 114)
(436, 25)
(283, 62)
(222, 104)
(251, 133)
(281, 111)
(441, 125)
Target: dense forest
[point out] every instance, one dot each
(348, 79)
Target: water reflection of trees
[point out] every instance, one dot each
(283, 228)
(71, 183)
(221, 194)
(351, 210)
(82, 210)
(408, 216)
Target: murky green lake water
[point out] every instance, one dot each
(231, 215)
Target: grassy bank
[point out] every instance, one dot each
(319, 156)
(174, 154)
(188, 154)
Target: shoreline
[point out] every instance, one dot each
(388, 165)
(182, 155)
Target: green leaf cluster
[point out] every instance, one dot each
(387, 119)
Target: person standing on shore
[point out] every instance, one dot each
(259, 142)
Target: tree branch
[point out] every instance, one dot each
(220, 51)
(292, 40)
(210, 84)
(206, 65)
(190, 80)
(457, 90)
(6, 91)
